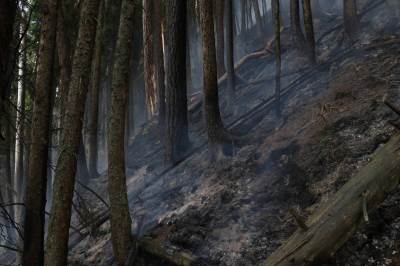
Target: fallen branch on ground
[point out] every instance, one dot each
(337, 220)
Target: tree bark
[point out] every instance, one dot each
(148, 31)
(350, 17)
(338, 219)
(177, 136)
(298, 38)
(219, 16)
(19, 124)
(257, 13)
(8, 9)
(35, 198)
(117, 191)
(60, 218)
(277, 27)
(159, 64)
(231, 78)
(309, 29)
(94, 96)
(214, 126)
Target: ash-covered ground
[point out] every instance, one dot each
(235, 211)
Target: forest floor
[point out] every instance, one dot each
(235, 211)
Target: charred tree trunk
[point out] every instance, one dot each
(277, 27)
(230, 56)
(337, 220)
(8, 10)
(120, 218)
(219, 10)
(298, 38)
(350, 17)
(148, 31)
(94, 96)
(35, 198)
(309, 29)
(177, 136)
(214, 126)
(159, 65)
(64, 181)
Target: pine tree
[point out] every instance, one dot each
(35, 198)
(64, 181)
(177, 136)
(117, 191)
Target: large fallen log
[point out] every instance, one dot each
(337, 220)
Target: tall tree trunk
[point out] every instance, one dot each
(8, 10)
(230, 63)
(177, 136)
(350, 17)
(219, 16)
(214, 126)
(64, 181)
(277, 27)
(309, 29)
(298, 38)
(148, 31)
(94, 96)
(243, 16)
(257, 13)
(19, 124)
(159, 64)
(117, 191)
(35, 198)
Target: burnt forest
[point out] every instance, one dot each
(200, 132)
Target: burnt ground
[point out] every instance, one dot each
(235, 211)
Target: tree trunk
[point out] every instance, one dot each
(219, 16)
(230, 56)
(338, 219)
(94, 96)
(309, 29)
(19, 125)
(35, 198)
(64, 181)
(214, 125)
(298, 38)
(8, 10)
(177, 136)
(277, 27)
(159, 65)
(148, 31)
(117, 191)
(257, 13)
(350, 17)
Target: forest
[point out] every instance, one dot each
(199, 132)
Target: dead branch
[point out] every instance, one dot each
(338, 219)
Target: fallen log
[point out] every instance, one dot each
(337, 220)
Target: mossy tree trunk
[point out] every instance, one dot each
(120, 218)
(64, 181)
